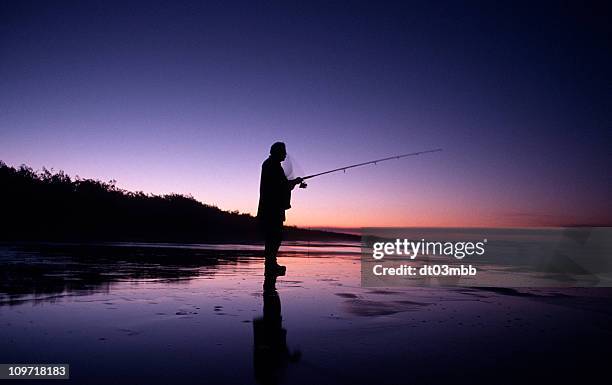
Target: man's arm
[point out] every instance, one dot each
(294, 182)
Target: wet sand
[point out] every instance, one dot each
(156, 314)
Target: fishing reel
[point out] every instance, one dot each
(303, 185)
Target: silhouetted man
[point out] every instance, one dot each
(274, 199)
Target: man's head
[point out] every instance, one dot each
(278, 151)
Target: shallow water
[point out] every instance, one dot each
(154, 313)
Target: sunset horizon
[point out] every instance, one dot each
(304, 218)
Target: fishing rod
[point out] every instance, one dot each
(370, 162)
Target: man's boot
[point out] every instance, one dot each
(272, 267)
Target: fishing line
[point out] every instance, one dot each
(291, 167)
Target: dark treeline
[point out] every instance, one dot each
(46, 205)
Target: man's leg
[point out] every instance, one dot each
(273, 242)
(268, 246)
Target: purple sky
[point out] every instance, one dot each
(187, 97)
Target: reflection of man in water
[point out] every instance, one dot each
(274, 199)
(270, 351)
